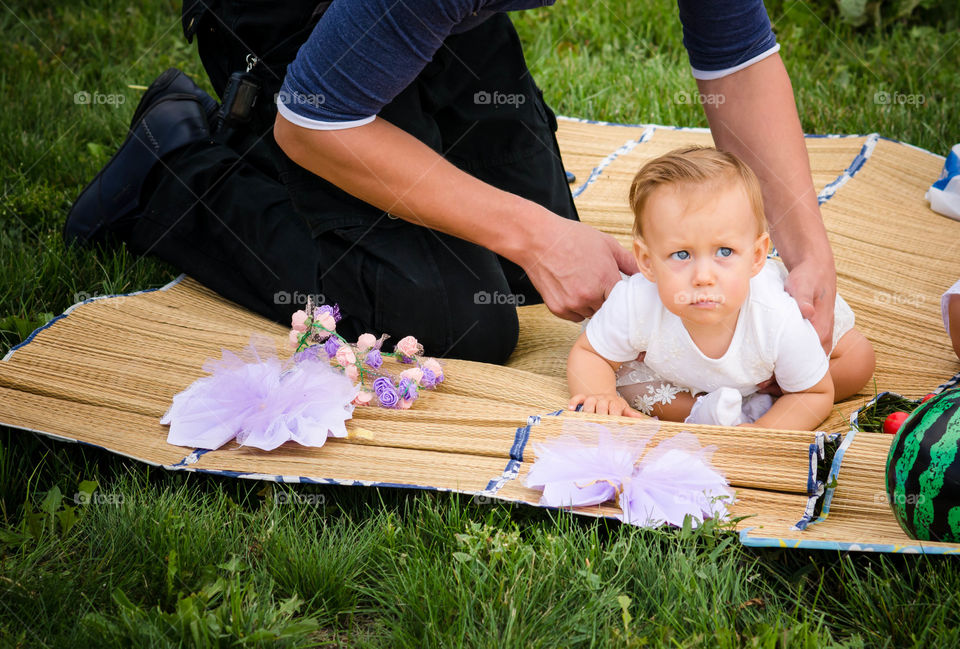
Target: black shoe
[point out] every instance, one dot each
(170, 82)
(109, 205)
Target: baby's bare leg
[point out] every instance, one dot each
(851, 364)
(676, 410)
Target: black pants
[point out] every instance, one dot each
(243, 219)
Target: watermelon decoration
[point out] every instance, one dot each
(923, 470)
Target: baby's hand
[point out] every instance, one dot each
(604, 404)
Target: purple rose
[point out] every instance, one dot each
(386, 393)
(374, 359)
(429, 379)
(407, 389)
(308, 354)
(332, 310)
(331, 346)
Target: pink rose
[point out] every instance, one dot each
(326, 321)
(345, 356)
(352, 372)
(408, 346)
(405, 403)
(365, 342)
(363, 398)
(298, 321)
(432, 365)
(414, 374)
(294, 338)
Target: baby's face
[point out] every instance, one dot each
(701, 248)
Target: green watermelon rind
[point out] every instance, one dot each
(903, 455)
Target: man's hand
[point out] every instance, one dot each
(605, 404)
(574, 267)
(813, 284)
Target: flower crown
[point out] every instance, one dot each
(313, 330)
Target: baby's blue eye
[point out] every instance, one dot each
(724, 252)
(681, 255)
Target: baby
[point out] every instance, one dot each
(950, 310)
(708, 312)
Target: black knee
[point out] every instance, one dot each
(467, 326)
(488, 333)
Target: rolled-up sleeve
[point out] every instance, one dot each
(725, 36)
(361, 55)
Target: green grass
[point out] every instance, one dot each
(159, 559)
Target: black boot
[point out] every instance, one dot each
(109, 205)
(170, 82)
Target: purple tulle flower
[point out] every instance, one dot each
(407, 389)
(386, 392)
(331, 346)
(669, 482)
(374, 359)
(261, 402)
(332, 310)
(429, 379)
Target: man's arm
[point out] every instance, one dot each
(572, 265)
(361, 55)
(752, 113)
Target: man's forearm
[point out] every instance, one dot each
(752, 113)
(393, 171)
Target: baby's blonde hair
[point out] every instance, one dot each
(694, 165)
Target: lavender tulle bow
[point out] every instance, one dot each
(670, 481)
(261, 402)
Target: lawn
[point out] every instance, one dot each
(158, 559)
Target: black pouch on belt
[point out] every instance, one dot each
(239, 98)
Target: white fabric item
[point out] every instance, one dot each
(721, 407)
(945, 198)
(944, 303)
(946, 201)
(771, 336)
(706, 75)
(756, 406)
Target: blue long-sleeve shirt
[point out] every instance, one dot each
(363, 53)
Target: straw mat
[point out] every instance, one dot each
(105, 371)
